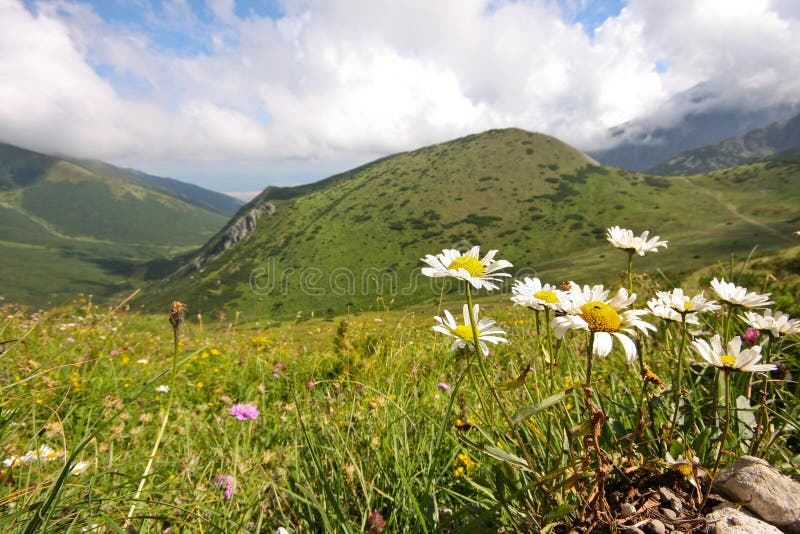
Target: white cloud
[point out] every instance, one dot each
(338, 81)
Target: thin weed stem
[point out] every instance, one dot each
(160, 435)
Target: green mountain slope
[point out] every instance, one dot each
(780, 138)
(211, 200)
(67, 228)
(340, 243)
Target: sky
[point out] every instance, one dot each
(236, 95)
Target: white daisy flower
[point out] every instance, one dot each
(778, 325)
(47, 454)
(463, 332)
(664, 311)
(624, 239)
(674, 305)
(163, 388)
(13, 461)
(79, 468)
(734, 359)
(681, 303)
(531, 293)
(590, 310)
(738, 296)
(480, 272)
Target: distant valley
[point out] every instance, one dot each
(73, 226)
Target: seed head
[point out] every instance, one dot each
(176, 312)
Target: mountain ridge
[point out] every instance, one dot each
(704, 118)
(355, 238)
(781, 138)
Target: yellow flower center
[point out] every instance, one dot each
(600, 316)
(684, 469)
(464, 331)
(472, 265)
(727, 360)
(545, 295)
(687, 305)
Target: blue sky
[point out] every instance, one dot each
(238, 95)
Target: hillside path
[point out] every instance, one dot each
(730, 206)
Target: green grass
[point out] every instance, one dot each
(352, 421)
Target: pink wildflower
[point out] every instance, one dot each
(244, 412)
(751, 336)
(310, 384)
(227, 483)
(114, 352)
(444, 386)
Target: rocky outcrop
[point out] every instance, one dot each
(773, 497)
(238, 230)
(242, 227)
(728, 520)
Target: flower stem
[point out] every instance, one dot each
(479, 355)
(490, 386)
(550, 354)
(676, 396)
(588, 384)
(766, 392)
(725, 426)
(630, 271)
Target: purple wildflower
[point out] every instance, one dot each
(310, 384)
(444, 386)
(227, 483)
(114, 352)
(70, 340)
(751, 336)
(243, 412)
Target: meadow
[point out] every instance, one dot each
(116, 421)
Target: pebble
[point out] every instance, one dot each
(626, 509)
(669, 513)
(632, 530)
(654, 526)
(670, 500)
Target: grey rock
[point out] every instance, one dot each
(729, 520)
(654, 526)
(670, 500)
(632, 530)
(774, 497)
(669, 513)
(626, 509)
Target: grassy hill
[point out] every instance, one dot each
(777, 139)
(341, 243)
(67, 227)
